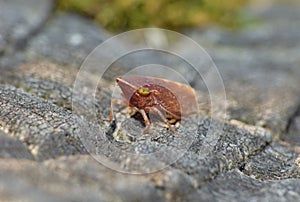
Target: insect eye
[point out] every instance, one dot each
(144, 91)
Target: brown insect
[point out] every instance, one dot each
(171, 100)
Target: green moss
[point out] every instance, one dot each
(122, 15)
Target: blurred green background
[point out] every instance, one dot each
(122, 15)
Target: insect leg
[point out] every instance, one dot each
(146, 119)
(113, 102)
(163, 118)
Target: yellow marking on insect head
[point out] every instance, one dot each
(144, 91)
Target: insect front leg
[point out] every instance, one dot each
(146, 119)
(113, 102)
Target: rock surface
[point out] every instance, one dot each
(13, 148)
(67, 39)
(19, 21)
(45, 155)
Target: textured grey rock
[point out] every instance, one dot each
(293, 130)
(13, 148)
(49, 131)
(67, 39)
(235, 186)
(268, 164)
(260, 77)
(54, 83)
(78, 178)
(234, 147)
(111, 182)
(50, 82)
(269, 96)
(19, 20)
(24, 180)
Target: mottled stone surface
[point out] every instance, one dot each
(67, 39)
(77, 178)
(46, 154)
(46, 129)
(235, 186)
(293, 130)
(19, 21)
(11, 147)
(275, 155)
(259, 66)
